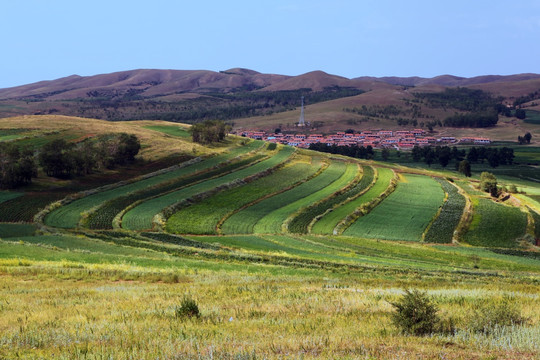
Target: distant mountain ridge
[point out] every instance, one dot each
(148, 83)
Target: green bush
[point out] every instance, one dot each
(415, 313)
(495, 314)
(187, 309)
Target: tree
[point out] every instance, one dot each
(465, 168)
(521, 114)
(17, 167)
(528, 137)
(209, 131)
(488, 183)
(385, 153)
(56, 158)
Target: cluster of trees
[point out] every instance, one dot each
(62, 159)
(526, 139)
(355, 151)
(209, 131)
(474, 120)
(17, 166)
(444, 154)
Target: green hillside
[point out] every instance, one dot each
(288, 253)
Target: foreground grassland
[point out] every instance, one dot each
(76, 297)
(100, 276)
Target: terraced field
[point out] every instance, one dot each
(140, 217)
(103, 217)
(330, 221)
(495, 225)
(8, 195)
(204, 217)
(327, 223)
(272, 212)
(68, 216)
(404, 214)
(300, 223)
(442, 228)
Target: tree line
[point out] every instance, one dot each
(354, 151)
(62, 159)
(444, 154)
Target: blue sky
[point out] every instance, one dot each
(44, 40)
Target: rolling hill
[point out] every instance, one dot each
(309, 249)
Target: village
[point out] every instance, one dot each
(400, 139)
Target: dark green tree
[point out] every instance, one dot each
(488, 183)
(17, 167)
(465, 168)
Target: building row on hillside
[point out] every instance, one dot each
(401, 139)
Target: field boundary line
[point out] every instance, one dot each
(349, 186)
(220, 223)
(159, 220)
(365, 209)
(349, 199)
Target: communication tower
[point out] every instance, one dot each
(302, 122)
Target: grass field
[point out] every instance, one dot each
(68, 216)
(203, 217)
(129, 296)
(404, 214)
(8, 195)
(273, 211)
(9, 230)
(140, 217)
(495, 225)
(88, 293)
(443, 227)
(327, 223)
(179, 131)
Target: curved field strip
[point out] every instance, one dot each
(203, 217)
(495, 225)
(404, 214)
(15, 230)
(140, 217)
(103, 217)
(8, 195)
(442, 229)
(328, 222)
(69, 215)
(245, 221)
(300, 223)
(334, 212)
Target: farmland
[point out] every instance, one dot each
(404, 214)
(287, 253)
(443, 227)
(495, 224)
(204, 217)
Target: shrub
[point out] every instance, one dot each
(496, 314)
(188, 308)
(415, 313)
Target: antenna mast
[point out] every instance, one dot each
(302, 122)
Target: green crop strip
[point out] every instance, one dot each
(103, 217)
(140, 217)
(329, 220)
(404, 214)
(245, 221)
(69, 215)
(495, 225)
(203, 217)
(442, 229)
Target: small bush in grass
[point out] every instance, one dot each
(495, 314)
(187, 309)
(415, 313)
(271, 146)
